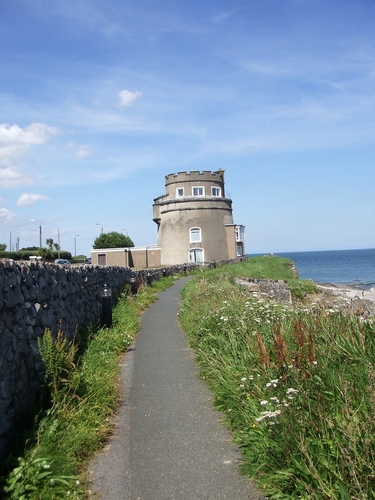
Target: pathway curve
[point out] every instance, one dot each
(168, 442)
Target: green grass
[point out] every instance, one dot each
(296, 384)
(269, 267)
(83, 380)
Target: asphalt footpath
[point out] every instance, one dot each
(168, 442)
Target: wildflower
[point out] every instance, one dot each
(264, 402)
(268, 414)
(291, 391)
(243, 379)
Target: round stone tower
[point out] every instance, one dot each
(194, 219)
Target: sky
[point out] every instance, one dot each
(101, 99)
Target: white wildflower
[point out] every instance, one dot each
(291, 391)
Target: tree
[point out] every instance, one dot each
(47, 252)
(113, 240)
(2, 247)
(29, 249)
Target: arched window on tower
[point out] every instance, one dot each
(195, 235)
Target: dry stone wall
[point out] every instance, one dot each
(36, 296)
(276, 290)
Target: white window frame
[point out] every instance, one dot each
(215, 191)
(180, 192)
(195, 252)
(195, 235)
(199, 189)
(240, 233)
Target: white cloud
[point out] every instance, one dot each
(80, 151)
(127, 97)
(30, 199)
(6, 215)
(15, 142)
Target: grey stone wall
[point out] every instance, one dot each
(276, 290)
(36, 296)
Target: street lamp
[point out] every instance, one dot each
(100, 225)
(40, 232)
(75, 245)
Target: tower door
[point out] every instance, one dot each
(196, 255)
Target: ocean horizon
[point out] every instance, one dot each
(349, 267)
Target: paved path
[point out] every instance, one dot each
(168, 443)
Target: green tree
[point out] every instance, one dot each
(2, 247)
(113, 240)
(32, 249)
(47, 252)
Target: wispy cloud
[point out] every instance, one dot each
(30, 198)
(127, 97)
(15, 144)
(6, 216)
(80, 151)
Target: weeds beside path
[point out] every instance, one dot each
(297, 386)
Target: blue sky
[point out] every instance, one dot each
(101, 99)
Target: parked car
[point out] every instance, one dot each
(62, 262)
(89, 261)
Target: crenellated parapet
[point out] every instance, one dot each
(195, 176)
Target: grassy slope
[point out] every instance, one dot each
(297, 385)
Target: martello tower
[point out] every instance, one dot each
(194, 220)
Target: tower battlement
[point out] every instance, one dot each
(195, 176)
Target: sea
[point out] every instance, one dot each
(337, 267)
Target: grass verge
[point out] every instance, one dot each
(296, 384)
(83, 382)
(269, 267)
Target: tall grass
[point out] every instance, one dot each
(296, 384)
(84, 394)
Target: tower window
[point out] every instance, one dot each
(179, 192)
(195, 235)
(215, 191)
(198, 191)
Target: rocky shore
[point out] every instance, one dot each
(358, 301)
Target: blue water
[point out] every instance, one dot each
(355, 267)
